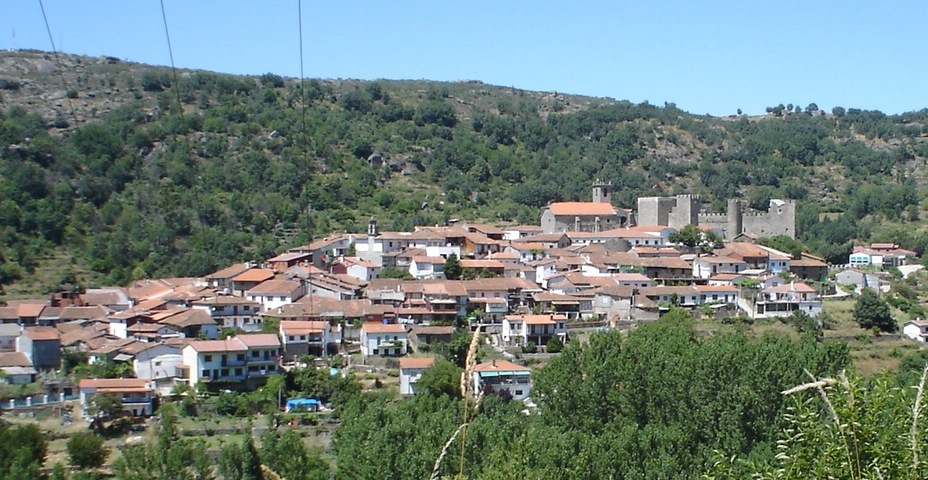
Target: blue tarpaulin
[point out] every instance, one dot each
(305, 404)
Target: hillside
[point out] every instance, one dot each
(101, 170)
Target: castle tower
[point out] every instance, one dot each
(686, 211)
(735, 219)
(602, 192)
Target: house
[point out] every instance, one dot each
(231, 312)
(860, 280)
(536, 329)
(222, 280)
(134, 393)
(783, 300)
(916, 330)
(236, 359)
(16, 368)
(308, 337)
(500, 376)
(189, 322)
(42, 346)
(427, 267)
(288, 259)
(9, 332)
(249, 279)
(275, 293)
(882, 255)
(384, 339)
(430, 334)
(705, 267)
(355, 267)
(156, 361)
(411, 370)
(809, 268)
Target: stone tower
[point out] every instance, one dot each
(602, 192)
(735, 219)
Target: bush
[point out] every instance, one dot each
(86, 450)
(555, 345)
(530, 347)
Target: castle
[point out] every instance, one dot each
(681, 210)
(674, 212)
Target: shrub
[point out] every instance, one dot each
(86, 450)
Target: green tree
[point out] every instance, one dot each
(453, 269)
(442, 378)
(555, 345)
(871, 311)
(86, 450)
(694, 237)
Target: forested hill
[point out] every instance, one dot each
(101, 168)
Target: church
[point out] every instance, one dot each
(596, 216)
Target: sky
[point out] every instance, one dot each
(708, 57)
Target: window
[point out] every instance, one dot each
(225, 372)
(238, 372)
(158, 364)
(207, 358)
(241, 357)
(204, 373)
(255, 354)
(518, 392)
(291, 337)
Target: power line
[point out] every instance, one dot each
(180, 105)
(57, 63)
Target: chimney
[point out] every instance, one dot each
(494, 363)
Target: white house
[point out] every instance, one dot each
(157, 361)
(538, 329)
(411, 370)
(135, 393)
(706, 267)
(308, 337)
(500, 375)
(275, 293)
(237, 358)
(231, 312)
(385, 339)
(783, 300)
(426, 267)
(916, 330)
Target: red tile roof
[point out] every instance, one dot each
(581, 208)
(412, 363)
(371, 327)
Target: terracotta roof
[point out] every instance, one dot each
(432, 260)
(83, 313)
(229, 271)
(717, 288)
(14, 359)
(536, 319)
(103, 385)
(228, 345)
(371, 327)
(416, 363)
(290, 257)
(497, 365)
(25, 310)
(42, 333)
(467, 263)
(582, 208)
(301, 327)
(432, 330)
(275, 287)
(254, 275)
(791, 287)
(188, 318)
(259, 339)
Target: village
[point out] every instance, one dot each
(587, 266)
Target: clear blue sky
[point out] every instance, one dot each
(707, 56)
